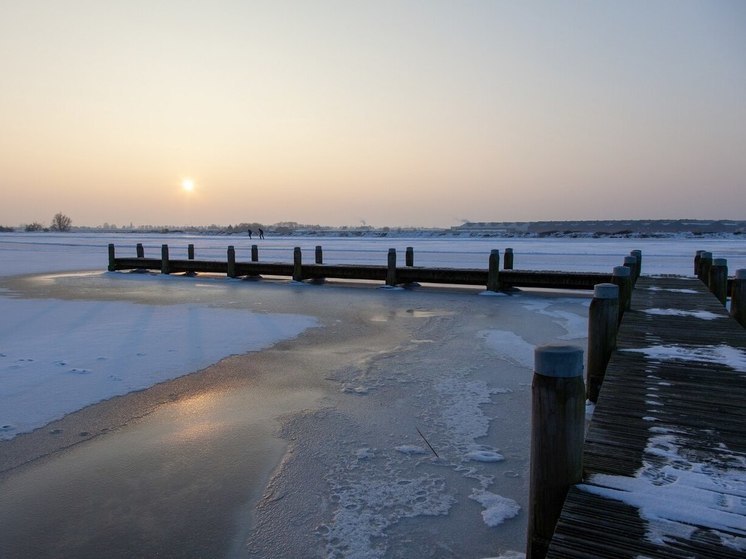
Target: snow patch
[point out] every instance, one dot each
(497, 509)
(510, 347)
(676, 493)
(702, 315)
(722, 354)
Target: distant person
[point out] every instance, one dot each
(261, 233)
(250, 232)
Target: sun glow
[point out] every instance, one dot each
(187, 185)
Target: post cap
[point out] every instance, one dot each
(605, 291)
(559, 361)
(741, 274)
(706, 255)
(636, 252)
(720, 262)
(621, 271)
(630, 260)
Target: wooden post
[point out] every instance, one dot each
(112, 258)
(297, 264)
(718, 280)
(603, 322)
(409, 256)
(697, 260)
(190, 251)
(621, 277)
(254, 253)
(738, 297)
(508, 259)
(638, 256)
(140, 250)
(165, 267)
(557, 431)
(319, 255)
(391, 272)
(705, 263)
(631, 263)
(231, 262)
(493, 271)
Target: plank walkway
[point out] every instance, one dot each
(665, 453)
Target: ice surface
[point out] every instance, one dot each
(60, 356)
(464, 388)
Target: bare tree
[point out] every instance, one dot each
(60, 222)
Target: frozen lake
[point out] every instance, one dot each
(312, 444)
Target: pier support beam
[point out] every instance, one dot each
(409, 257)
(557, 426)
(631, 263)
(391, 271)
(254, 253)
(493, 271)
(620, 276)
(231, 262)
(638, 256)
(319, 255)
(165, 266)
(297, 264)
(508, 259)
(112, 257)
(705, 263)
(697, 261)
(190, 252)
(738, 297)
(140, 250)
(718, 280)
(603, 322)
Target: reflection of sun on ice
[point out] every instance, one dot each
(187, 185)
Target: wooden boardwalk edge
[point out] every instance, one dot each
(665, 453)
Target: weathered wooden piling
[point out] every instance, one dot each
(493, 271)
(718, 280)
(391, 269)
(603, 323)
(112, 258)
(631, 263)
(738, 297)
(190, 251)
(621, 277)
(165, 266)
(319, 255)
(508, 259)
(697, 261)
(638, 256)
(297, 264)
(254, 253)
(140, 250)
(557, 432)
(409, 257)
(705, 263)
(231, 262)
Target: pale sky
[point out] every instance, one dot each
(412, 113)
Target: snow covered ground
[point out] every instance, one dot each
(451, 371)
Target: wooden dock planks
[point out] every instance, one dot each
(665, 454)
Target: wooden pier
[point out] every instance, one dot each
(664, 462)
(391, 273)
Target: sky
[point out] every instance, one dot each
(409, 113)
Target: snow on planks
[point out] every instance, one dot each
(665, 454)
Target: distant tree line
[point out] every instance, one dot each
(60, 222)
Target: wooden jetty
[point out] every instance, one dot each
(664, 460)
(391, 273)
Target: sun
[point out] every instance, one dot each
(187, 185)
